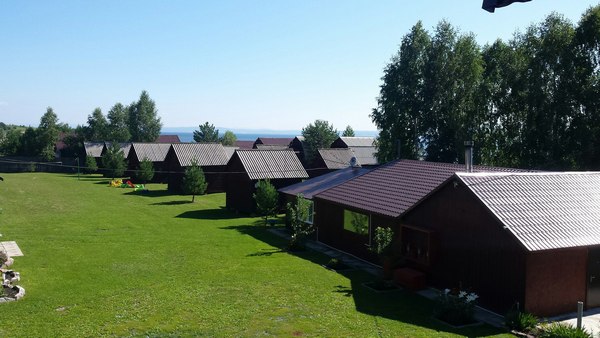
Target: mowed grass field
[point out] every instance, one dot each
(103, 261)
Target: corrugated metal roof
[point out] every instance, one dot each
(168, 139)
(543, 210)
(358, 141)
(271, 164)
(394, 187)
(313, 186)
(337, 158)
(93, 149)
(365, 155)
(155, 152)
(205, 154)
(229, 151)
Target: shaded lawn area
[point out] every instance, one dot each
(103, 261)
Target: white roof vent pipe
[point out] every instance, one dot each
(469, 156)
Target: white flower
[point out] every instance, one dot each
(462, 294)
(471, 297)
(446, 291)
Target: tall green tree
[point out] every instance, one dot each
(266, 198)
(118, 129)
(348, 132)
(144, 123)
(548, 104)
(97, 126)
(206, 133)
(584, 139)
(113, 161)
(401, 105)
(318, 135)
(228, 139)
(48, 135)
(194, 181)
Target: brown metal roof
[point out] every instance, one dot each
(93, 149)
(542, 210)
(155, 152)
(394, 187)
(271, 164)
(280, 141)
(244, 144)
(337, 158)
(313, 186)
(205, 154)
(168, 139)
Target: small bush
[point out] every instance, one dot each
(520, 321)
(562, 330)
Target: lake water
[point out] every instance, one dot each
(189, 136)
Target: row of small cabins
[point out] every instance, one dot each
(512, 236)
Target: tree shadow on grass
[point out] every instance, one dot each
(401, 305)
(150, 193)
(214, 214)
(172, 203)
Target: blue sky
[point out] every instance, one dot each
(237, 64)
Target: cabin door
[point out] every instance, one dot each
(593, 280)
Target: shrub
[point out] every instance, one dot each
(562, 330)
(456, 309)
(90, 164)
(520, 321)
(194, 181)
(298, 214)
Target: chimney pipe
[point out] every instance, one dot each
(398, 149)
(469, 155)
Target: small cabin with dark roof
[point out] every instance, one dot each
(155, 152)
(531, 238)
(247, 167)
(211, 157)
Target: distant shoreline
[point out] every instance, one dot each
(189, 136)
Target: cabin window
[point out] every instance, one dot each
(356, 222)
(310, 215)
(417, 244)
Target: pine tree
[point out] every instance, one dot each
(194, 181)
(266, 198)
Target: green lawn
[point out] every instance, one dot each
(103, 261)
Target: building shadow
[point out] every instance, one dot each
(214, 214)
(399, 304)
(172, 203)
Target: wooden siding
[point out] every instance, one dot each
(473, 251)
